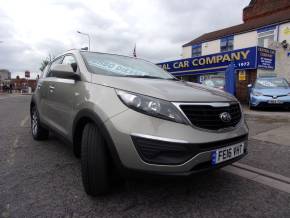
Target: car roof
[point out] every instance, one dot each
(78, 51)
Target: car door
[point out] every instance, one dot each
(61, 95)
(43, 91)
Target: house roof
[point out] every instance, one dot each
(279, 17)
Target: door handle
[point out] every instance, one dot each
(51, 89)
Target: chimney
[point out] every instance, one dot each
(261, 8)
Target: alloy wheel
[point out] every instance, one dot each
(34, 122)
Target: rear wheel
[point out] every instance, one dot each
(94, 161)
(38, 132)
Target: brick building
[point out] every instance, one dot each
(260, 46)
(23, 83)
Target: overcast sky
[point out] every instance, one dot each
(30, 30)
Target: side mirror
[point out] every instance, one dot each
(250, 86)
(64, 71)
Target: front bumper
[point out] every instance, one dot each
(265, 101)
(196, 145)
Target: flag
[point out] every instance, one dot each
(134, 52)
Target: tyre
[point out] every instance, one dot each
(94, 161)
(38, 131)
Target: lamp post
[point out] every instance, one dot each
(86, 34)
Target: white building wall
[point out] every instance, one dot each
(282, 62)
(211, 47)
(245, 40)
(186, 52)
(284, 32)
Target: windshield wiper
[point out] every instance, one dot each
(173, 79)
(144, 76)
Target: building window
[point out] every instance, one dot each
(266, 38)
(196, 51)
(227, 43)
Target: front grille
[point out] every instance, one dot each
(275, 96)
(208, 116)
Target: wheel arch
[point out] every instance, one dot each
(32, 104)
(86, 116)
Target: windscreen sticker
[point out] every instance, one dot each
(116, 68)
(266, 83)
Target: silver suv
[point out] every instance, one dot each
(127, 115)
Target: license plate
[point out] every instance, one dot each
(227, 153)
(275, 101)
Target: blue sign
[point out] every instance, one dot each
(242, 59)
(288, 54)
(265, 58)
(230, 79)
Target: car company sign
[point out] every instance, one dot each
(265, 58)
(243, 59)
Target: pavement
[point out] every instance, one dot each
(43, 179)
(269, 114)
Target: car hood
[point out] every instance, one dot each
(170, 90)
(273, 91)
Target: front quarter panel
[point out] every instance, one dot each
(101, 100)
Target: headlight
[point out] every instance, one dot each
(257, 93)
(151, 106)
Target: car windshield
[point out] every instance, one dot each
(117, 65)
(271, 83)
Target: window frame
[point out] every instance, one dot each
(265, 35)
(196, 53)
(267, 32)
(229, 44)
(45, 71)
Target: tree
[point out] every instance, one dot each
(46, 61)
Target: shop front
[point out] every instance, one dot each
(210, 69)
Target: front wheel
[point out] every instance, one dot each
(38, 132)
(94, 161)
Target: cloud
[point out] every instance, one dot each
(34, 29)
